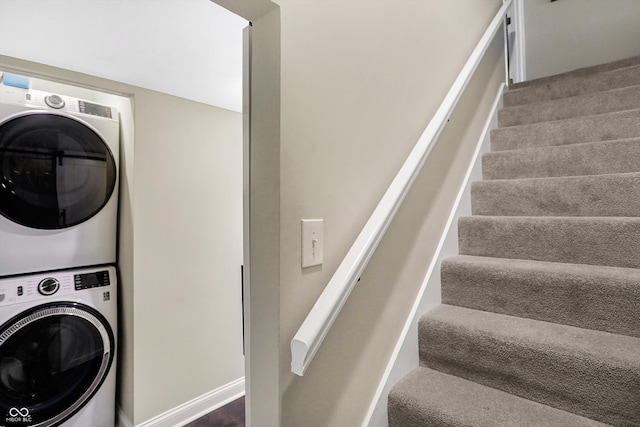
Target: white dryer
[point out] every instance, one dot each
(57, 348)
(58, 181)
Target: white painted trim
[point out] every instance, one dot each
(247, 35)
(405, 354)
(505, 30)
(315, 327)
(196, 408)
(519, 51)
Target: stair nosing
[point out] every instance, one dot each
(494, 398)
(603, 298)
(581, 72)
(555, 217)
(602, 345)
(563, 81)
(620, 112)
(535, 359)
(573, 97)
(574, 145)
(498, 181)
(543, 264)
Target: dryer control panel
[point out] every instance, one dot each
(54, 102)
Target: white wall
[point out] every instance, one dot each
(569, 34)
(188, 48)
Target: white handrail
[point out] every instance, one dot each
(315, 327)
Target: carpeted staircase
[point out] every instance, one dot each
(540, 321)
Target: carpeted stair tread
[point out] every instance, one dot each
(590, 195)
(612, 241)
(599, 127)
(540, 317)
(558, 109)
(562, 88)
(583, 72)
(590, 373)
(590, 158)
(428, 398)
(593, 297)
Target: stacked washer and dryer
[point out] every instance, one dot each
(58, 287)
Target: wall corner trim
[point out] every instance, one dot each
(193, 409)
(121, 419)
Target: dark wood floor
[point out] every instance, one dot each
(230, 415)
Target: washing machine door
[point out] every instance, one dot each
(53, 359)
(55, 171)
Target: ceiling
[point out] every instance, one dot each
(187, 48)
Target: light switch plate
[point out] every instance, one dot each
(312, 242)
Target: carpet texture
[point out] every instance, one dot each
(540, 321)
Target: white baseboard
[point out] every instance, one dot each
(196, 408)
(405, 355)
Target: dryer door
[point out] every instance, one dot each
(53, 359)
(55, 171)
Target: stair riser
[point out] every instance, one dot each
(629, 76)
(603, 300)
(606, 127)
(603, 195)
(591, 387)
(595, 241)
(587, 105)
(595, 158)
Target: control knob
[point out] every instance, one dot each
(54, 101)
(48, 286)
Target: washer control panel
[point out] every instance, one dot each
(91, 280)
(36, 287)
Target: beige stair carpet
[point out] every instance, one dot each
(540, 321)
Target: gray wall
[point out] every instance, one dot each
(569, 34)
(187, 216)
(359, 81)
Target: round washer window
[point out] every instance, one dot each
(53, 358)
(55, 171)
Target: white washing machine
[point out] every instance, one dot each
(57, 348)
(58, 181)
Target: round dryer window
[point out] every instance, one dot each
(53, 359)
(55, 171)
